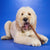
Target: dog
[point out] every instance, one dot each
(19, 29)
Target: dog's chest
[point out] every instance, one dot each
(29, 33)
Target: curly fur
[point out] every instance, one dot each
(13, 29)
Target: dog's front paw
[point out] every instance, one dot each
(36, 43)
(45, 39)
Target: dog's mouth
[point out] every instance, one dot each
(26, 26)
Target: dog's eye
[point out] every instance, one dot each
(29, 13)
(22, 14)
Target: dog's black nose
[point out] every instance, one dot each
(25, 19)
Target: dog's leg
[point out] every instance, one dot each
(27, 40)
(7, 30)
(43, 38)
(23, 40)
(36, 42)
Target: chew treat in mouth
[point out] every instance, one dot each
(28, 26)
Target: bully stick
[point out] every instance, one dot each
(42, 41)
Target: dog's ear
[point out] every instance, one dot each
(17, 25)
(35, 16)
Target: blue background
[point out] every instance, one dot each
(8, 10)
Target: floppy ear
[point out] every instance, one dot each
(17, 25)
(34, 25)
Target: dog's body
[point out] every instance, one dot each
(14, 29)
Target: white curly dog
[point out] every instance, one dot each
(20, 31)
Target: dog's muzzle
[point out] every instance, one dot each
(26, 26)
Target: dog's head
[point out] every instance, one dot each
(25, 15)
